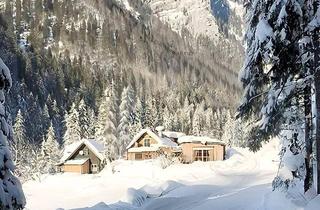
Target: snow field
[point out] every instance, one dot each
(243, 181)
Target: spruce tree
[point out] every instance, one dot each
(22, 149)
(271, 69)
(84, 120)
(275, 77)
(123, 128)
(50, 152)
(20, 139)
(73, 129)
(106, 129)
(11, 194)
(186, 118)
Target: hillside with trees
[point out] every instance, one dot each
(102, 69)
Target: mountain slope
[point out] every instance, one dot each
(218, 21)
(199, 17)
(60, 52)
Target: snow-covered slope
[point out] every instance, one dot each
(195, 15)
(241, 182)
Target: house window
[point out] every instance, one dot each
(205, 155)
(86, 151)
(201, 155)
(94, 168)
(198, 155)
(147, 142)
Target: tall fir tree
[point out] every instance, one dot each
(20, 139)
(106, 131)
(123, 128)
(11, 194)
(84, 119)
(21, 148)
(72, 124)
(50, 152)
(273, 75)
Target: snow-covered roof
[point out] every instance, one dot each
(202, 139)
(143, 149)
(76, 161)
(162, 141)
(96, 147)
(173, 134)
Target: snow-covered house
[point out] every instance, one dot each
(148, 144)
(83, 157)
(201, 148)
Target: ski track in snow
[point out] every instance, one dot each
(241, 182)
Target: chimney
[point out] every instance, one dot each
(160, 129)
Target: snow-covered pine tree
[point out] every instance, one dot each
(50, 152)
(271, 69)
(141, 112)
(229, 129)
(21, 148)
(132, 102)
(168, 119)
(84, 119)
(198, 119)
(45, 117)
(186, 118)
(73, 129)
(92, 122)
(176, 124)
(106, 131)
(150, 112)
(135, 124)
(216, 124)
(292, 169)
(57, 120)
(20, 140)
(123, 128)
(273, 75)
(208, 125)
(11, 194)
(310, 54)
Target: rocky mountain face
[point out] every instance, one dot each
(220, 21)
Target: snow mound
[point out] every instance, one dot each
(314, 204)
(164, 188)
(135, 197)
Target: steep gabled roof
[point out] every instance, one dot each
(96, 147)
(162, 141)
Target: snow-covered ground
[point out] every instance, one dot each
(241, 182)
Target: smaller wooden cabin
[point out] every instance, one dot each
(83, 157)
(200, 148)
(148, 144)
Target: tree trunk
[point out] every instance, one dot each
(317, 103)
(308, 138)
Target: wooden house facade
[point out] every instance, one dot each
(84, 157)
(195, 148)
(148, 144)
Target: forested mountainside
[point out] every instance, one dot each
(72, 61)
(218, 21)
